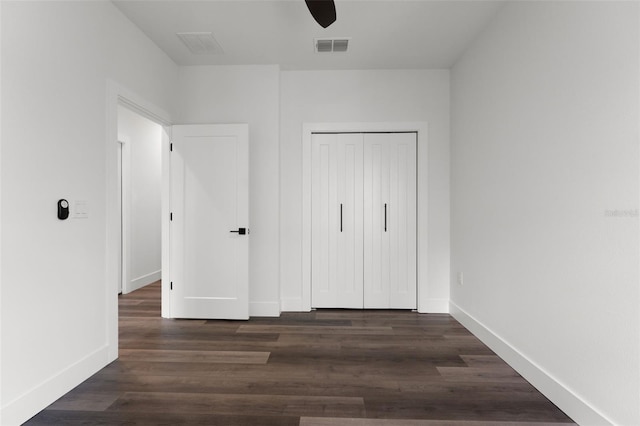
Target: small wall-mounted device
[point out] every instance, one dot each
(63, 209)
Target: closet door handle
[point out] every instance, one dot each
(340, 217)
(385, 217)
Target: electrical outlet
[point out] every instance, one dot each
(460, 278)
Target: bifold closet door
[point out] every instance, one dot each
(336, 221)
(390, 221)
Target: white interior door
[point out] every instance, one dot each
(210, 208)
(337, 257)
(390, 221)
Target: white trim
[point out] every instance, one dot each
(144, 280)
(120, 208)
(291, 305)
(637, 319)
(436, 306)
(1, 364)
(264, 309)
(118, 95)
(571, 403)
(421, 128)
(124, 196)
(143, 108)
(40, 396)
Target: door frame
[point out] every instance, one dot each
(421, 129)
(120, 95)
(124, 206)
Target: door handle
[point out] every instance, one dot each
(340, 217)
(385, 217)
(241, 231)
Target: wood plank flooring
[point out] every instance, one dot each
(324, 368)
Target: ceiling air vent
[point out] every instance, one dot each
(327, 45)
(201, 43)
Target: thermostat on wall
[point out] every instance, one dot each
(63, 209)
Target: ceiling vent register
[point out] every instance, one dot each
(328, 45)
(201, 43)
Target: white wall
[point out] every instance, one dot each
(1, 182)
(57, 57)
(545, 124)
(365, 96)
(144, 164)
(245, 94)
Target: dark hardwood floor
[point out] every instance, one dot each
(327, 367)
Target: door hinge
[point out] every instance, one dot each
(171, 286)
(170, 216)
(171, 146)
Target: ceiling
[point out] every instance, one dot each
(384, 34)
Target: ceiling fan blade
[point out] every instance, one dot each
(323, 11)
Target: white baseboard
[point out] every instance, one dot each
(291, 305)
(434, 306)
(574, 406)
(36, 399)
(264, 309)
(144, 280)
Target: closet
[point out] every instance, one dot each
(363, 220)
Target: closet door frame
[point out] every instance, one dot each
(421, 130)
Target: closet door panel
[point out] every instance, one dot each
(349, 239)
(324, 221)
(390, 221)
(376, 240)
(336, 263)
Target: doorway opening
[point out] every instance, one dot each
(139, 198)
(117, 155)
